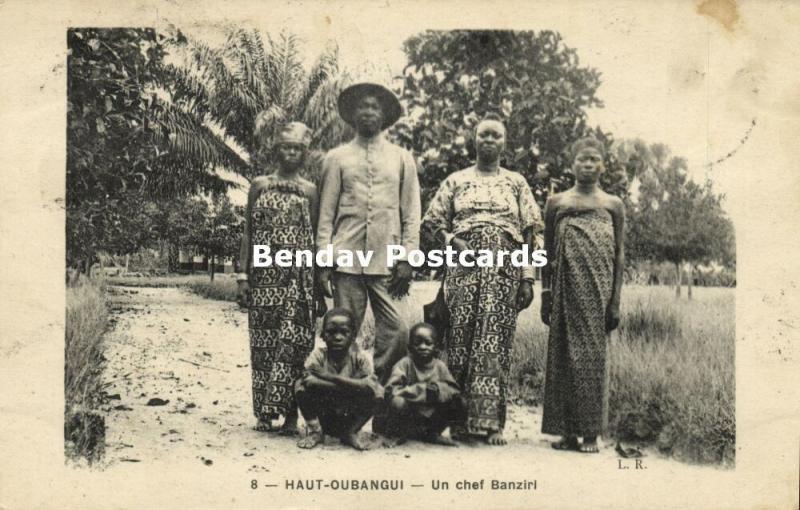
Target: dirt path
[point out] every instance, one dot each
(192, 352)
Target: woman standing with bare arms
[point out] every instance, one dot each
(281, 213)
(584, 238)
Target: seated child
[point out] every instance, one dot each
(339, 391)
(423, 398)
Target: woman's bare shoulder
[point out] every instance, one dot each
(558, 199)
(309, 188)
(259, 183)
(612, 202)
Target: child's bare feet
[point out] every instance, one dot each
(391, 442)
(440, 440)
(313, 438)
(353, 440)
(496, 438)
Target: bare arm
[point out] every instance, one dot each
(313, 202)
(528, 273)
(246, 250)
(356, 386)
(549, 239)
(312, 381)
(530, 219)
(618, 216)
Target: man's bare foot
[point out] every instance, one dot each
(391, 442)
(440, 440)
(353, 440)
(288, 430)
(496, 439)
(589, 446)
(313, 438)
(569, 443)
(289, 427)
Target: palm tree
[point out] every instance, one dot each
(244, 90)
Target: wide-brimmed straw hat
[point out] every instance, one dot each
(349, 97)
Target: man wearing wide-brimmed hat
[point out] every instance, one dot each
(370, 199)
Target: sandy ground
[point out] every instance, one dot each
(193, 353)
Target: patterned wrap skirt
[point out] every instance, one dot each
(575, 396)
(281, 315)
(483, 318)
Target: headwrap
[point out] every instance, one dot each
(587, 142)
(295, 132)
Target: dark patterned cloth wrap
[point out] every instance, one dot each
(483, 317)
(575, 397)
(281, 320)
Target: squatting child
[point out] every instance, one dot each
(339, 391)
(422, 396)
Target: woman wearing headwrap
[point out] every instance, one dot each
(484, 207)
(584, 239)
(281, 213)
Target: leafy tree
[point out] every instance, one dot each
(218, 234)
(248, 82)
(174, 222)
(532, 79)
(126, 141)
(675, 219)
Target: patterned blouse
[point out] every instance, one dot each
(466, 200)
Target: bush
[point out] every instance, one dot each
(672, 375)
(223, 288)
(646, 321)
(86, 322)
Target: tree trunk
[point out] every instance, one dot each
(678, 279)
(689, 283)
(127, 262)
(211, 266)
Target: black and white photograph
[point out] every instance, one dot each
(343, 254)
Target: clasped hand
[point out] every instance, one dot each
(525, 290)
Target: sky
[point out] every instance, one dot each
(669, 75)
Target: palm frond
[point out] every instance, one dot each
(186, 88)
(285, 69)
(192, 141)
(232, 104)
(325, 68)
(322, 116)
(247, 55)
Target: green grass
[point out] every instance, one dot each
(174, 280)
(221, 288)
(86, 322)
(674, 383)
(671, 365)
